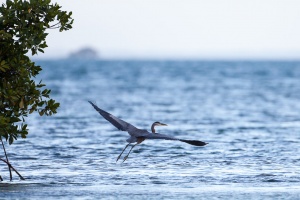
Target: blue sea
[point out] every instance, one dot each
(248, 112)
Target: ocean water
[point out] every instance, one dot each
(248, 112)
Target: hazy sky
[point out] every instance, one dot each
(181, 29)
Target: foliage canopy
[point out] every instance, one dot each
(23, 25)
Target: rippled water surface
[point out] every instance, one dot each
(248, 112)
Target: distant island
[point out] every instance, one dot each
(86, 53)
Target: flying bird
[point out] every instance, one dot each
(137, 135)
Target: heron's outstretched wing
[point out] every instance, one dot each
(166, 137)
(118, 123)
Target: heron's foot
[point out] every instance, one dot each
(118, 158)
(125, 158)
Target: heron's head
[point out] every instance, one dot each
(159, 124)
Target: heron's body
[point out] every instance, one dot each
(139, 135)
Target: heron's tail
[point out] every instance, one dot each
(194, 142)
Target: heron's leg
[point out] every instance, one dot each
(129, 152)
(122, 152)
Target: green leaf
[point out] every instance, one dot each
(23, 27)
(11, 140)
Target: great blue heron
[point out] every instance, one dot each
(139, 135)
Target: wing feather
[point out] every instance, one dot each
(166, 137)
(159, 136)
(118, 123)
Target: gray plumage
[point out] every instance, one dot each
(138, 135)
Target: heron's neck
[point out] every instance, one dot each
(152, 128)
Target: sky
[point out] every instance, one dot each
(181, 29)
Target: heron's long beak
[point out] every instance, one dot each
(161, 124)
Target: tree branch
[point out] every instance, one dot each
(10, 174)
(10, 166)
